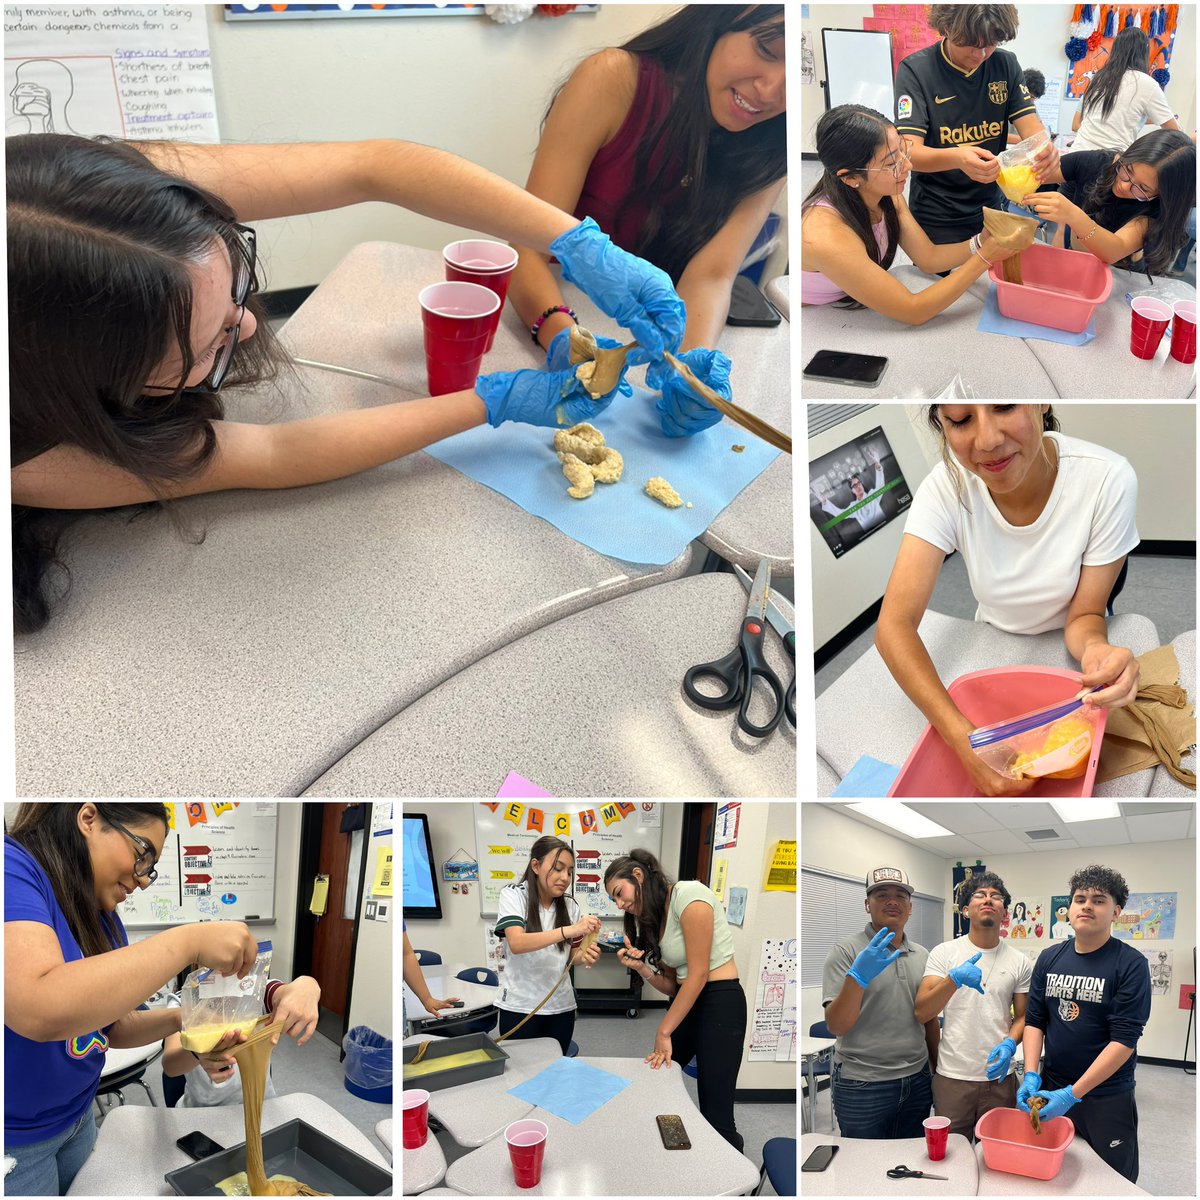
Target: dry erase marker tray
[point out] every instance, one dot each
(451, 1061)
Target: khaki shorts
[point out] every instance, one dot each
(964, 1101)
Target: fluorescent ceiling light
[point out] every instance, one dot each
(900, 817)
(1086, 810)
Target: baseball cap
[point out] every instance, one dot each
(888, 877)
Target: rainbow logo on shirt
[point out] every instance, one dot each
(81, 1047)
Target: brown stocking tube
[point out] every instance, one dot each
(1013, 233)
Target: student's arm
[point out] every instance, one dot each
(143, 1026)
(1106, 1063)
(416, 981)
(928, 256)
(933, 1040)
(1128, 1014)
(1017, 1029)
(933, 995)
(1047, 160)
(1031, 1043)
(1108, 247)
(586, 114)
(520, 942)
(1086, 637)
(696, 921)
(291, 454)
(260, 182)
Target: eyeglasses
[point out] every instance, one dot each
(1125, 175)
(145, 856)
(902, 163)
(244, 256)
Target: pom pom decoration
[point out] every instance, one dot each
(1110, 26)
(556, 10)
(1075, 49)
(1093, 42)
(508, 14)
(1162, 76)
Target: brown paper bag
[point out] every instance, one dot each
(1013, 233)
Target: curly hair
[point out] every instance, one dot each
(992, 880)
(1103, 879)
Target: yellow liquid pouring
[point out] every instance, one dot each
(429, 1065)
(1017, 182)
(200, 1039)
(239, 1184)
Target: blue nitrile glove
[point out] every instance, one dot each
(1029, 1085)
(1058, 1104)
(635, 293)
(681, 412)
(554, 398)
(967, 974)
(873, 958)
(558, 357)
(1000, 1057)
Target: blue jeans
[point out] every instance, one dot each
(1182, 261)
(882, 1109)
(48, 1168)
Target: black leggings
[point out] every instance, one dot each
(558, 1026)
(714, 1031)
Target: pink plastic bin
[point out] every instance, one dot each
(932, 769)
(1062, 288)
(1009, 1143)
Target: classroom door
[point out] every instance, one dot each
(333, 934)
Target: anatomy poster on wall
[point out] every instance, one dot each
(963, 881)
(773, 1024)
(1162, 964)
(1148, 916)
(1025, 919)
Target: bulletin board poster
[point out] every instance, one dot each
(773, 1025)
(308, 12)
(725, 834)
(1025, 919)
(1148, 916)
(908, 25)
(1060, 925)
(1162, 965)
(130, 71)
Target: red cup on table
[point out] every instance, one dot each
(526, 1149)
(1183, 331)
(457, 319)
(416, 1118)
(489, 264)
(937, 1134)
(1150, 319)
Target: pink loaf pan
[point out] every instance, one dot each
(984, 697)
(1062, 288)
(1009, 1143)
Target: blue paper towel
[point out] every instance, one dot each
(991, 320)
(867, 779)
(619, 519)
(570, 1089)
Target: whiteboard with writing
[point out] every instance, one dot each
(131, 71)
(217, 864)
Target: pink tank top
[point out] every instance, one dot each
(816, 288)
(610, 179)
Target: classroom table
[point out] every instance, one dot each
(365, 316)
(779, 292)
(423, 1167)
(811, 1049)
(475, 1113)
(617, 1151)
(957, 646)
(383, 1131)
(442, 981)
(860, 1167)
(1083, 1173)
(607, 717)
(135, 1148)
(925, 358)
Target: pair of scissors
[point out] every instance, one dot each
(743, 666)
(903, 1172)
(787, 631)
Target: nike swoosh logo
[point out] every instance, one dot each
(942, 99)
(1116, 1143)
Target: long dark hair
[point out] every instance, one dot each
(99, 293)
(848, 137)
(533, 915)
(723, 168)
(1173, 155)
(1130, 51)
(650, 897)
(50, 833)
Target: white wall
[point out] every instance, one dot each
(464, 84)
(1039, 44)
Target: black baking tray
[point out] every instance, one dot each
(295, 1149)
(443, 1048)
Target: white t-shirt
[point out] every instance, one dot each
(1139, 98)
(528, 977)
(975, 1025)
(202, 1091)
(1024, 576)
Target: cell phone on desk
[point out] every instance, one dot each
(748, 306)
(673, 1134)
(841, 366)
(197, 1146)
(820, 1158)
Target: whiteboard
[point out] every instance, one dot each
(858, 69)
(217, 864)
(597, 833)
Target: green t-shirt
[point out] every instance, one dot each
(674, 952)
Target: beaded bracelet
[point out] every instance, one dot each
(555, 308)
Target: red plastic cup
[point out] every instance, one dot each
(937, 1134)
(416, 1118)
(489, 264)
(1150, 319)
(526, 1148)
(1183, 331)
(457, 319)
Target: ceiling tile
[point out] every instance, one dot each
(1160, 827)
(1110, 832)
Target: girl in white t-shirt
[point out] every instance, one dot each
(1044, 523)
(541, 925)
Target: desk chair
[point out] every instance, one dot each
(427, 958)
(121, 1079)
(482, 975)
(779, 1166)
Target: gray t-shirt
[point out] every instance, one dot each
(887, 1041)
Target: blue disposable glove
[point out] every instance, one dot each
(558, 356)
(1057, 1104)
(873, 958)
(1029, 1085)
(554, 398)
(681, 412)
(635, 293)
(967, 974)
(1000, 1057)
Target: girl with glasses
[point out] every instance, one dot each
(131, 280)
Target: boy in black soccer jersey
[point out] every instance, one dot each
(1089, 1001)
(954, 102)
